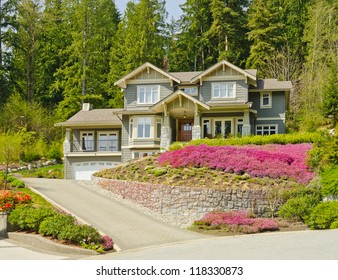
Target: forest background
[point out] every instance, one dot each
(57, 54)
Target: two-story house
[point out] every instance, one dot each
(164, 107)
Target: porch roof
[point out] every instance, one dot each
(159, 105)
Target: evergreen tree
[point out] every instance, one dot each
(7, 25)
(83, 76)
(140, 38)
(191, 49)
(228, 30)
(330, 95)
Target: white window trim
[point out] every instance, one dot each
(195, 94)
(131, 130)
(107, 132)
(223, 98)
(157, 121)
(270, 100)
(210, 123)
(153, 99)
(151, 132)
(222, 127)
(81, 137)
(269, 125)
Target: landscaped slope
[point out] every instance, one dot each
(220, 167)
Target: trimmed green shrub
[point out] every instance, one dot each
(79, 233)
(323, 215)
(334, 225)
(329, 181)
(298, 209)
(29, 218)
(52, 226)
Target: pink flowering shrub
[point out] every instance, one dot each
(274, 161)
(238, 221)
(107, 243)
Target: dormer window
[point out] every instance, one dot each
(223, 90)
(190, 90)
(148, 94)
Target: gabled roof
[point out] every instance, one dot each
(92, 117)
(246, 73)
(173, 96)
(272, 85)
(121, 83)
(185, 76)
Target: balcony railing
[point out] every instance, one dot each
(96, 146)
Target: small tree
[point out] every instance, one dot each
(330, 102)
(9, 151)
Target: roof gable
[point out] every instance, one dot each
(227, 66)
(148, 67)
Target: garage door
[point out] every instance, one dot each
(84, 171)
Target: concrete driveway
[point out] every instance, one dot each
(129, 228)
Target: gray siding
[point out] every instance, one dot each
(241, 92)
(130, 95)
(278, 105)
(126, 155)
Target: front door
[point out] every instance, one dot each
(185, 129)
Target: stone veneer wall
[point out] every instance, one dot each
(182, 205)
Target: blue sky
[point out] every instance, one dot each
(172, 6)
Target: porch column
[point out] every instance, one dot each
(166, 133)
(246, 124)
(67, 142)
(196, 129)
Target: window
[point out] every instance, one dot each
(131, 128)
(266, 129)
(206, 129)
(143, 127)
(266, 100)
(87, 141)
(222, 128)
(137, 155)
(107, 141)
(190, 90)
(223, 90)
(158, 128)
(240, 126)
(147, 94)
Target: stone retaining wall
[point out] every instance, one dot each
(184, 205)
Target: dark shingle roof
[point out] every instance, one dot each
(185, 76)
(272, 84)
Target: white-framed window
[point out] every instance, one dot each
(143, 127)
(223, 90)
(87, 140)
(158, 128)
(266, 99)
(222, 128)
(240, 126)
(190, 90)
(207, 128)
(267, 129)
(107, 141)
(131, 128)
(148, 94)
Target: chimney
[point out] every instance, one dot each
(86, 107)
(166, 64)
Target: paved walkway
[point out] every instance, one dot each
(129, 228)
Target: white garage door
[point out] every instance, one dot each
(84, 171)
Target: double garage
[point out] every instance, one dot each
(78, 168)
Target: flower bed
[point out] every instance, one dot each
(274, 161)
(237, 221)
(9, 200)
